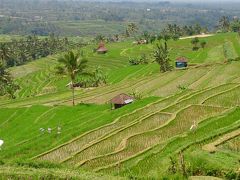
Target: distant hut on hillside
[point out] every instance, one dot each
(121, 100)
(101, 48)
(181, 62)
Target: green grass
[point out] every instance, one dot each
(42, 80)
(12, 172)
(134, 141)
(7, 38)
(73, 121)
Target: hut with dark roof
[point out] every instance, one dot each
(101, 48)
(121, 100)
(181, 62)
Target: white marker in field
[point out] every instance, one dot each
(194, 126)
(59, 130)
(49, 130)
(1, 143)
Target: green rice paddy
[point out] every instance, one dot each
(135, 141)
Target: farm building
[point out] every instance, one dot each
(181, 62)
(121, 100)
(101, 48)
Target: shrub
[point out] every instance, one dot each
(203, 44)
(1, 163)
(182, 87)
(195, 48)
(134, 61)
(143, 59)
(232, 175)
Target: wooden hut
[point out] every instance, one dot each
(121, 100)
(101, 48)
(181, 62)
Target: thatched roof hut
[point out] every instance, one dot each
(121, 100)
(101, 48)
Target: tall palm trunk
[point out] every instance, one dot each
(73, 93)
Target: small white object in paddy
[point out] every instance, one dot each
(194, 126)
(148, 9)
(42, 129)
(59, 130)
(49, 130)
(1, 143)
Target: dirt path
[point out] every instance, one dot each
(199, 36)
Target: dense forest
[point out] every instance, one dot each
(18, 52)
(70, 18)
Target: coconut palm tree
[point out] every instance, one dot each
(224, 24)
(74, 64)
(161, 55)
(7, 85)
(4, 52)
(99, 76)
(132, 28)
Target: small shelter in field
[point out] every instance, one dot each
(181, 62)
(101, 48)
(121, 100)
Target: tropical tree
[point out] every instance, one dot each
(132, 28)
(7, 86)
(17, 52)
(224, 24)
(116, 37)
(4, 53)
(99, 76)
(146, 36)
(161, 55)
(195, 42)
(99, 38)
(197, 28)
(203, 44)
(235, 25)
(73, 64)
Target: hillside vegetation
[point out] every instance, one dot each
(179, 112)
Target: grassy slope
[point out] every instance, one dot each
(73, 121)
(41, 79)
(124, 78)
(11, 172)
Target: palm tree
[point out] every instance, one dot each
(99, 38)
(224, 24)
(132, 28)
(161, 55)
(4, 52)
(74, 64)
(99, 76)
(146, 36)
(7, 85)
(203, 44)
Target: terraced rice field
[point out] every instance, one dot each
(38, 78)
(232, 145)
(212, 147)
(179, 111)
(141, 131)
